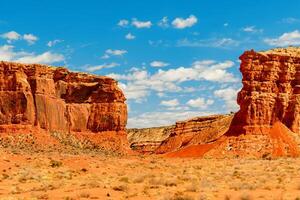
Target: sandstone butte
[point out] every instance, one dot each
(41, 99)
(267, 124)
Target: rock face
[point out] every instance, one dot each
(198, 130)
(56, 99)
(147, 140)
(267, 124)
(271, 91)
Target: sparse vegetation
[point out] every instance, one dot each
(68, 176)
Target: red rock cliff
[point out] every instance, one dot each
(271, 91)
(268, 122)
(56, 99)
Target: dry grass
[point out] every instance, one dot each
(84, 176)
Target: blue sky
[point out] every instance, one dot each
(173, 59)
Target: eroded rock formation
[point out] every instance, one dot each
(267, 124)
(271, 91)
(57, 100)
(147, 140)
(198, 130)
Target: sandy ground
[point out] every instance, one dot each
(55, 175)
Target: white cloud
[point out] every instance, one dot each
(45, 58)
(53, 42)
(14, 36)
(98, 67)
(138, 93)
(111, 52)
(7, 53)
(170, 80)
(200, 70)
(215, 43)
(30, 38)
(11, 36)
(286, 39)
(105, 56)
(162, 118)
(200, 103)
(123, 23)
(252, 29)
(129, 36)
(229, 95)
(164, 22)
(170, 103)
(181, 23)
(116, 52)
(141, 24)
(158, 64)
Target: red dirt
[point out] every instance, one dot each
(281, 139)
(192, 151)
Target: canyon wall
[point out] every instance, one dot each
(270, 93)
(57, 100)
(147, 140)
(198, 130)
(268, 122)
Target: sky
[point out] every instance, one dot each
(174, 60)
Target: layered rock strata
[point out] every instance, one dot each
(271, 91)
(57, 100)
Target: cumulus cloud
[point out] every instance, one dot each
(141, 24)
(158, 64)
(252, 29)
(200, 103)
(129, 36)
(111, 52)
(52, 43)
(161, 118)
(138, 93)
(99, 67)
(286, 39)
(7, 53)
(11, 36)
(171, 79)
(30, 38)
(14, 36)
(45, 58)
(214, 43)
(170, 103)
(181, 23)
(229, 95)
(123, 23)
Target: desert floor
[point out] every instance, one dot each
(52, 175)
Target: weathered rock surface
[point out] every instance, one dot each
(267, 124)
(57, 100)
(199, 130)
(271, 91)
(147, 140)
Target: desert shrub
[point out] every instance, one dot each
(121, 188)
(55, 163)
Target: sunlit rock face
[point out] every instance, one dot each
(56, 99)
(271, 91)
